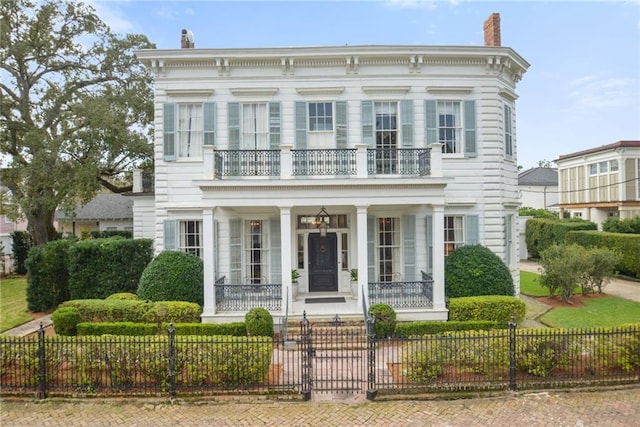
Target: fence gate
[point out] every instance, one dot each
(336, 357)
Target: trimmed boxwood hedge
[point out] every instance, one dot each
(237, 329)
(175, 276)
(541, 233)
(497, 308)
(409, 329)
(475, 270)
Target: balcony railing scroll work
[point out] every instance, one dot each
(357, 162)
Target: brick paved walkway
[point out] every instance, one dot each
(609, 408)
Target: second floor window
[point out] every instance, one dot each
(189, 129)
(450, 126)
(255, 127)
(508, 136)
(320, 116)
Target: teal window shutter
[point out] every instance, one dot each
(216, 245)
(301, 125)
(508, 238)
(409, 246)
(366, 119)
(406, 120)
(341, 124)
(235, 250)
(470, 145)
(209, 113)
(371, 248)
(170, 235)
(274, 125)
(471, 231)
(431, 121)
(233, 122)
(429, 234)
(276, 250)
(169, 131)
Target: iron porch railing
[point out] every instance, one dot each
(237, 297)
(403, 294)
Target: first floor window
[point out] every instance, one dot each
(255, 252)
(453, 233)
(189, 130)
(190, 237)
(388, 249)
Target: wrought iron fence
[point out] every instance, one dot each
(236, 297)
(402, 294)
(247, 163)
(398, 161)
(324, 162)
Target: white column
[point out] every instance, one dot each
(435, 159)
(363, 259)
(137, 181)
(285, 256)
(286, 161)
(208, 236)
(208, 162)
(361, 161)
(438, 258)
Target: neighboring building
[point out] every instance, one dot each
(539, 188)
(107, 211)
(601, 182)
(326, 159)
(7, 227)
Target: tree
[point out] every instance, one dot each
(76, 108)
(545, 164)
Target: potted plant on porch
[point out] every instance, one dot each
(354, 282)
(295, 275)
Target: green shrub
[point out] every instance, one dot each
(563, 269)
(475, 270)
(540, 351)
(105, 234)
(629, 352)
(237, 329)
(173, 311)
(101, 267)
(409, 329)
(94, 310)
(21, 245)
(259, 322)
(617, 225)
(542, 233)
(116, 328)
(423, 361)
(627, 245)
(385, 320)
(493, 308)
(123, 296)
(47, 275)
(537, 213)
(173, 276)
(65, 320)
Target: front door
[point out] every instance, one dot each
(323, 263)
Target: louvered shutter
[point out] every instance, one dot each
(406, 120)
(301, 125)
(170, 235)
(371, 248)
(233, 123)
(169, 132)
(472, 233)
(341, 125)
(209, 113)
(431, 121)
(235, 250)
(274, 125)
(470, 148)
(429, 235)
(409, 246)
(366, 119)
(276, 251)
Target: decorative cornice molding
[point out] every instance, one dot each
(189, 92)
(257, 91)
(446, 90)
(508, 94)
(306, 91)
(386, 90)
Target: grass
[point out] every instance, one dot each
(597, 312)
(530, 285)
(13, 303)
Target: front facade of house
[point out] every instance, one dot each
(602, 182)
(323, 160)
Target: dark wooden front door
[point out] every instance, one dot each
(323, 263)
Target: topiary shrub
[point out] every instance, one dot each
(493, 308)
(65, 320)
(475, 270)
(385, 320)
(123, 296)
(259, 322)
(173, 276)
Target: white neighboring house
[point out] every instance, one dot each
(539, 188)
(105, 212)
(601, 182)
(326, 159)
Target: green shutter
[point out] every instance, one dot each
(216, 256)
(428, 223)
(508, 239)
(341, 125)
(301, 125)
(234, 125)
(431, 121)
(209, 113)
(235, 250)
(170, 235)
(274, 125)
(371, 248)
(409, 246)
(366, 119)
(169, 131)
(508, 138)
(471, 231)
(276, 250)
(406, 120)
(470, 149)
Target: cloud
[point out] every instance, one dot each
(411, 4)
(598, 92)
(167, 12)
(113, 17)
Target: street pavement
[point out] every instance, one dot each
(611, 408)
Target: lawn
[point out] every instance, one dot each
(530, 285)
(13, 303)
(597, 312)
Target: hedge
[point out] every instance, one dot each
(497, 308)
(47, 275)
(409, 329)
(628, 245)
(237, 329)
(541, 233)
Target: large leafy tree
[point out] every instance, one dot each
(76, 108)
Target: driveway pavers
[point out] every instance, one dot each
(609, 408)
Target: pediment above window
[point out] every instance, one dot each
(306, 91)
(254, 91)
(449, 90)
(202, 93)
(386, 90)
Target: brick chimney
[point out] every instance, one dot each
(492, 30)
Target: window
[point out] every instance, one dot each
(255, 250)
(508, 138)
(388, 248)
(386, 136)
(593, 169)
(613, 166)
(320, 116)
(255, 127)
(453, 233)
(604, 167)
(190, 130)
(449, 126)
(190, 240)
(344, 250)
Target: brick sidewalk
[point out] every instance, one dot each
(609, 408)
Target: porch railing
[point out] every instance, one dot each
(241, 297)
(403, 294)
(398, 161)
(324, 162)
(247, 163)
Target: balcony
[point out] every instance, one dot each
(358, 162)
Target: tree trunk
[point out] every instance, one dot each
(40, 225)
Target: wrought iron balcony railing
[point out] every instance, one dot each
(403, 294)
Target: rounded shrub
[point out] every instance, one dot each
(385, 320)
(259, 322)
(475, 270)
(65, 320)
(173, 276)
(123, 296)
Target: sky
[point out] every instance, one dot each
(581, 91)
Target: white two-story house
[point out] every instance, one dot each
(323, 160)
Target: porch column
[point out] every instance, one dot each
(209, 162)
(285, 257)
(209, 265)
(286, 161)
(363, 259)
(438, 258)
